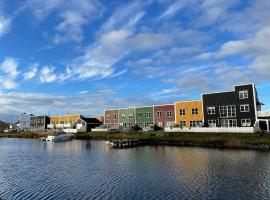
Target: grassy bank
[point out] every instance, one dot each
(24, 135)
(226, 140)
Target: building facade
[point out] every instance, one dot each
(39, 123)
(144, 116)
(189, 113)
(237, 108)
(25, 121)
(127, 117)
(63, 121)
(164, 115)
(111, 117)
(86, 124)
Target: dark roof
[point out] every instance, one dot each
(91, 120)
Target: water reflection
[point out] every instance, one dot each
(79, 169)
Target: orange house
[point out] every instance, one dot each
(189, 113)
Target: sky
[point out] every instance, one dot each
(85, 56)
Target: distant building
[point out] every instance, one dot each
(164, 115)
(237, 108)
(25, 121)
(111, 117)
(3, 126)
(127, 117)
(86, 124)
(72, 123)
(144, 116)
(189, 113)
(39, 123)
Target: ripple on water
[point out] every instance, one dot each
(88, 170)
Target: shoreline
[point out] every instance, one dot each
(242, 141)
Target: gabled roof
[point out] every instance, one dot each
(91, 120)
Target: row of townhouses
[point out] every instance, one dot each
(237, 108)
(67, 123)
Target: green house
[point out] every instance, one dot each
(127, 117)
(145, 116)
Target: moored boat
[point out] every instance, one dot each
(59, 137)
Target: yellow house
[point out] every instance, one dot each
(65, 119)
(188, 113)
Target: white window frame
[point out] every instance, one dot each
(148, 115)
(243, 94)
(182, 111)
(130, 116)
(228, 123)
(244, 108)
(212, 123)
(211, 110)
(114, 116)
(183, 123)
(195, 111)
(139, 114)
(159, 114)
(246, 122)
(159, 124)
(227, 111)
(169, 114)
(123, 115)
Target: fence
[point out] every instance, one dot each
(211, 130)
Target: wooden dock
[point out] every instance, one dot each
(119, 144)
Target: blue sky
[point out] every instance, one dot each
(84, 56)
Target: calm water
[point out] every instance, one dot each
(32, 169)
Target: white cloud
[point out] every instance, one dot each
(4, 25)
(8, 73)
(47, 74)
(31, 73)
(9, 67)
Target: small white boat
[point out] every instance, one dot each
(59, 137)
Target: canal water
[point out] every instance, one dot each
(32, 169)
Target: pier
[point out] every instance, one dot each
(118, 144)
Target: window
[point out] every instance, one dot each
(140, 124)
(114, 116)
(227, 111)
(182, 111)
(243, 94)
(159, 113)
(124, 124)
(123, 116)
(130, 116)
(195, 123)
(169, 124)
(195, 111)
(228, 123)
(139, 114)
(192, 123)
(245, 122)
(211, 110)
(107, 116)
(244, 108)
(212, 123)
(183, 123)
(130, 124)
(146, 124)
(169, 113)
(148, 114)
(159, 124)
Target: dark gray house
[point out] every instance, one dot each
(237, 108)
(39, 123)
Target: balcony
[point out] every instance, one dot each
(264, 114)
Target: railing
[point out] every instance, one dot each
(212, 130)
(264, 114)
